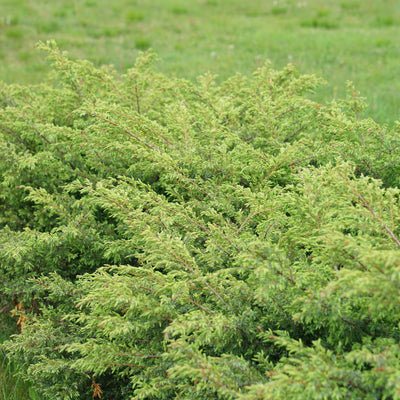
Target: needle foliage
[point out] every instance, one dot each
(164, 239)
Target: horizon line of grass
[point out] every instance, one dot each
(338, 41)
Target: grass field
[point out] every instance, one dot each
(338, 40)
(11, 387)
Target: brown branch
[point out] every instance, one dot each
(371, 210)
(126, 131)
(200, 306)
(6, 308)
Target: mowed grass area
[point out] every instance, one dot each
(338, 40)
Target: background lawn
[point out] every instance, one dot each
(344, 40)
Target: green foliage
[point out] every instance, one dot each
(167, 239)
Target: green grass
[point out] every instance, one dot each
(348, 40)
(11, 387)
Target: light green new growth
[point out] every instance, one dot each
(172, 240)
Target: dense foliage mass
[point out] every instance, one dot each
(164, 239)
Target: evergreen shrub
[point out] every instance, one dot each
(165, 239)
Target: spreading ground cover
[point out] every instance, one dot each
(166, 238)
(338, 40)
